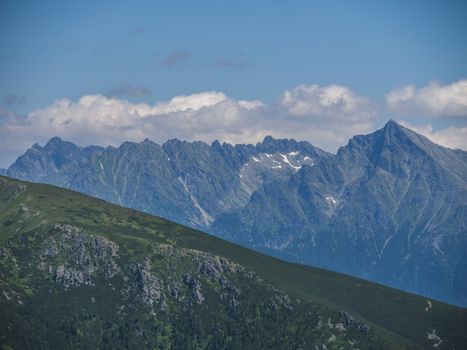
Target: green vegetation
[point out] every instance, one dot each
(78, 272)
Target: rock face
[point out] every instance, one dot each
(80, 256)
(349, 321)
(147, 284)
(188, 182)
(195, 288)
(390, 207)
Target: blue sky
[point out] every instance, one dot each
(148, 51)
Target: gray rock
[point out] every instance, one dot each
(348, 321)
(215, 267)
(195, 287)
(148, 284)
(83, 254)
(71, 277)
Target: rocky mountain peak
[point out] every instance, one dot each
(268, 140)
(36, 146)
(147, 141)
(392, 124)
(54, 142)
(216, 144)
(393, 141)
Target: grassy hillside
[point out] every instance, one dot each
(191, 290)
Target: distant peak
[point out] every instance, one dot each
(55, 139)
(392, 124)
(268, 139)
(54, 142)
(146, 141)
(216, 144)
(393, 129)
(174, 141)
(271, 140)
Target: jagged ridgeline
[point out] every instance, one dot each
(78, 272)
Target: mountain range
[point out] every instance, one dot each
(390, 206)
(80, 273)
(190, 183)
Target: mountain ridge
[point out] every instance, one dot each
(378, 189)
(184, 191)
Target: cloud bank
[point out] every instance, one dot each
(434, 100)
(327, 116)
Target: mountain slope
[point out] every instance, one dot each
(77, 272)
(391, 207)
(188, 182)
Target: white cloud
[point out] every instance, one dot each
(333, 101)
(452, 137)
(103, 120)
(251, 104)
(326, 116)
(399, 97)
(434, 100)
(191, 102)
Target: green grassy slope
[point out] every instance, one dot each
(399, 319)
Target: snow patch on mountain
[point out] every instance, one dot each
(287, 161)
(331, 200)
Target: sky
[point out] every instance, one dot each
(103, 72)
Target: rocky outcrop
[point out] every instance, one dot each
(348, 321)
(195, 288)
(214, 266)
(166, 280)
(71, 276)
(74, 255)
(147, 284)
